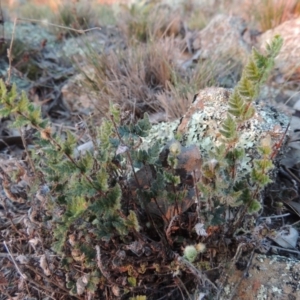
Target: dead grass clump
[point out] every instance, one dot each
(32, 11)
(75, 15)
(218, 70)
(150, 21)
(155, 77)
(131, 77)
(271, 13)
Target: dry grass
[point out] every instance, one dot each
(79, 14)
(144, 23)
(150, 78)
(271, 13)
(130, 78)
(219, 70)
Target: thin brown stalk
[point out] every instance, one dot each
(9, 53)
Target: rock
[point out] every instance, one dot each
(201, 124)
(270, 277)
(199, 130)
(287, 62)
(76, 95)
(223, 35)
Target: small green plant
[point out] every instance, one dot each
(117, 214)
(224, 183)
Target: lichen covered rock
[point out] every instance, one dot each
(201, 124)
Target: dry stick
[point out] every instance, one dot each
(13, 260)
(33, 282)
(45, 22)
(201, 276)
(34, 270)
(41, 291)
(100, 265)
(275, 217)
(169, 228)
(63, 289)
(9, 53)
(286, 249)
(26, 150)
(234, 289)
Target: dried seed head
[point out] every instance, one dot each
(175, 148)
(200, 247)
(46, 133)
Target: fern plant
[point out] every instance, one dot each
(240, 110)
(117, 201)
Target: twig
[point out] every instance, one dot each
(9, 53)
(13, 260)
(275, 217)
(286, 249)
(238, 252)
(245, 274)
(33, 282)
(26, 150)
(100, 265)
(168, 231)
(201, 277)
(45, 22)
(63, 289)
(39, 289)
(197, 194)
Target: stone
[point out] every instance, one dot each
(200, 126)
(287, 62)
(270, 277)
(76, 95)
(223, 35)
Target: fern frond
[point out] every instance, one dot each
(75, 207)
(143, 126)
(260, 178)
(248, 113)
(85, 163)
(101, 182)
(69, 145)
(252, 71)
(229, 129)
(132, 221)
(247, 89)
(236, 104)
(115, 112)
(275, 46)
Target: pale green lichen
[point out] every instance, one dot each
(203, 127)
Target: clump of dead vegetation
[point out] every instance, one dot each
(271, 13)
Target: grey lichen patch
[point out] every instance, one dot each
(262, 293)
(203, 121)
(270, 277)
(29, 33)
